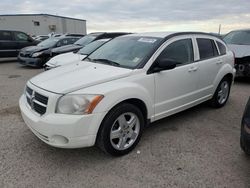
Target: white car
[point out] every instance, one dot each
(71, 57)
(127, 83)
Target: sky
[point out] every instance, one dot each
(143, 15)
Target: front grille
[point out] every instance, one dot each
(23, 54)
(36, 101)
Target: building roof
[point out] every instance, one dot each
(52, 15)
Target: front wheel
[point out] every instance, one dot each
(121, 130)
(221, 94)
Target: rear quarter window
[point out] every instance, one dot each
(222, 48)
(207, 48)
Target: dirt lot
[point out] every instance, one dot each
(195, 148)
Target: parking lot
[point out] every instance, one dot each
(196, 148)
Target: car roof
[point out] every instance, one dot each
(170, 34)
(11, 30)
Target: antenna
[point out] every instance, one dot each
(219, 28)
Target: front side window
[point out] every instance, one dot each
(127, 51)
(5, 35)
(64, 41)
(21, 36)
(180, 51)
(207, 48)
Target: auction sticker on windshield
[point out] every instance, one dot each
(148, 40)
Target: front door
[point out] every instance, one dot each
(175, 89)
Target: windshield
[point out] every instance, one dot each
(85, 40)
(49, 42)
(238, 37)
(88, 49)
(126, 52)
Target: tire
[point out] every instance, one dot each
(221, 94)
(121, 130)
(244, 146)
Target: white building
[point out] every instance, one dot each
(42, 24)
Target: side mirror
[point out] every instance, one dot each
(30, 39)
(164, 64)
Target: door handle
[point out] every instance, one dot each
(219, 62)
(193, 69)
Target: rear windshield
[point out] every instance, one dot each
(85, 40)
(89, 48)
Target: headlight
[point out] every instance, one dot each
(77, 104)
(37, 54)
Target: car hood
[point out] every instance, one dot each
(240, 50)
(32, 49)
(66, 48)
(64, 59)
(77, 76)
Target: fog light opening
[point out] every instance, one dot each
(59, 140)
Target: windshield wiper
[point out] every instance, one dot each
(88, 59)
(107, 61)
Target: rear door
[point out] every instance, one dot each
(209, 63)
(8, 47)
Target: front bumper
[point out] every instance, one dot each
(31, 61)
(59, 130)
(242, 69)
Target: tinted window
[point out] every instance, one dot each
(5, 35)
(222, 48)
(19, 36)
(207, 48)
(180, 51)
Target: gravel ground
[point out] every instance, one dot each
(196, 148)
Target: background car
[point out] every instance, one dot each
(239, 42)
(71, 57)
(37, 56)
(84, 41)
(41, 37)
(12, 41)
(245, 130)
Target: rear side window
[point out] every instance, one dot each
(5, 35)
(221, 47)
(180, 51)
(207, 48)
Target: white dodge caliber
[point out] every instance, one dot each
(107, 99)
